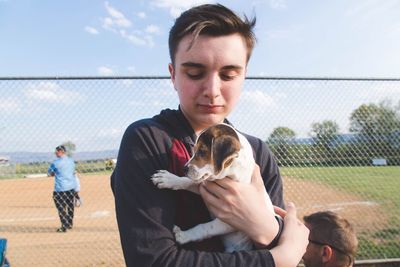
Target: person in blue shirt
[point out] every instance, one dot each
(63, 170)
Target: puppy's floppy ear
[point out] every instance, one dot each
(223, 150)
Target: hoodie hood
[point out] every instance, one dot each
(177, 124)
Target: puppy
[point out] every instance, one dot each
(220, 151)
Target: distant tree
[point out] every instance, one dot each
(379, 125)
(70, 147)
(281, 135)
(279, 142)
(324, 132)
(375, 121)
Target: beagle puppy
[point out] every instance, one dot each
(220, 151)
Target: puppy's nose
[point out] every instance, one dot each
(185, 169)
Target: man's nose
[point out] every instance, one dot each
(212, 86)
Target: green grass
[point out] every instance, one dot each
(85, 167)
(380, 184)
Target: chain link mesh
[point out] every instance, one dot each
(337, 142)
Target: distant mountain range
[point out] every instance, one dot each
(26, 157)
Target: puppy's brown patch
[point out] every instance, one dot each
(218, 145)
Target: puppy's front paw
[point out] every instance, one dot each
(160, 179)
(180, 236)
(165, 179)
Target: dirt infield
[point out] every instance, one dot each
(28, 219)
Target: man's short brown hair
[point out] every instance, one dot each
(328, 228)
(213, 20)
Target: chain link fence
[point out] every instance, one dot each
(337, 142)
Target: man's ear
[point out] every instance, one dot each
(171, 71)
(327, 254)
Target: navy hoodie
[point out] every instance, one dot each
(146, 214)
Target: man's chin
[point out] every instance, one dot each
(212, 119)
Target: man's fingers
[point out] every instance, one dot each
(291, 208)
(218, 188)
(207, 194)
(291, 211)
(281, 212)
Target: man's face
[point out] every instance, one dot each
(208, 77)
(313, 255)
(59, 153)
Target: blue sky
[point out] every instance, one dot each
(358, 38)
(295, 38)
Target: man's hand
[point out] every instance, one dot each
(293, 241)
(242, 206)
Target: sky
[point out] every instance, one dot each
(341, 38)
(358, 38)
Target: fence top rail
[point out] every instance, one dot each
(168, 77)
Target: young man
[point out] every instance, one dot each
(209, 48)
(63, 170)
(333, 242)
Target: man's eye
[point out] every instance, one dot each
(195, 76)
(228, 77)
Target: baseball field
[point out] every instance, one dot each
(28, 219)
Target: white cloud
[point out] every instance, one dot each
(133, 38)
(153, 29)
(108, 24)
(105, 71)
(137, 38)
(91, 30)
(141, 15)
(176, 7)
(117, 18)
(277, 4)
(9, 105)
(118, 23)
(53, 93)
(257, 99)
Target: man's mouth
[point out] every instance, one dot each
(210, 107)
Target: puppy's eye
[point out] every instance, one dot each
(201, 153)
